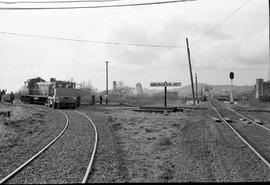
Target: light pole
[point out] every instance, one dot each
(106, 95)
(196, 87)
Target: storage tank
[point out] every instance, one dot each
(138, 89)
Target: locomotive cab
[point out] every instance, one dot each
(62, 94)
(32, 91)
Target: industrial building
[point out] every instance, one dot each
(262, 89)
(138, 89)
(121, 90)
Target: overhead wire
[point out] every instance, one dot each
(53, 1)
(219, 24)
(133, 44)
(103, 42)
(92, 41)
(96, 6)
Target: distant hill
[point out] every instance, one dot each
(216, 89)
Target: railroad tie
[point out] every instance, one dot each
(5, 113)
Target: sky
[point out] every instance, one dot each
(219, 43)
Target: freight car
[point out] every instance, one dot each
(55, 93)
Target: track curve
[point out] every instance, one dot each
(94, 150)
(37, 154)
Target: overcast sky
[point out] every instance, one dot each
(240, 44)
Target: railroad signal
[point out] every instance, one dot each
(231, 75)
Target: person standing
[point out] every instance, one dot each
(93, 100)
(3, 92)
(78, 100)
(100, 100)
(11, 97)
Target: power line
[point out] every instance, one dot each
(64, 1)
(220, 23)
(91, 41)
(87, 7)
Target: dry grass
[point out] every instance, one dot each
(21, 123)
(148, 139)
(182, 147)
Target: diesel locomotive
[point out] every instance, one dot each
(55, 93)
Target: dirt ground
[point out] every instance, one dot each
(184, 146)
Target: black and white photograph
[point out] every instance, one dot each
(134, 91)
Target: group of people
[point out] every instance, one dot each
(93, 101)
(11, 96)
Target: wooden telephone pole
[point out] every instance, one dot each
(269, 40)
(190, 70)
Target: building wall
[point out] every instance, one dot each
(262, 89)
(259, 88)
(266, 90)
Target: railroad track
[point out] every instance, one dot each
(256, 138)
(244, 116)
(44, 151)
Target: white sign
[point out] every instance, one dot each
(163, 84)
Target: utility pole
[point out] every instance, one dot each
(106, 95)
(190, 70)
(196, 85)
(201, 92)
(165, 94)
(269, 40)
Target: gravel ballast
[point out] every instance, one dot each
(147, 147)
(67, 159)
(29, 132)
(110, 164)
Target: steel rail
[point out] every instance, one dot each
(243, 116)
(243, 140)
(94, 150)
(37, 154)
